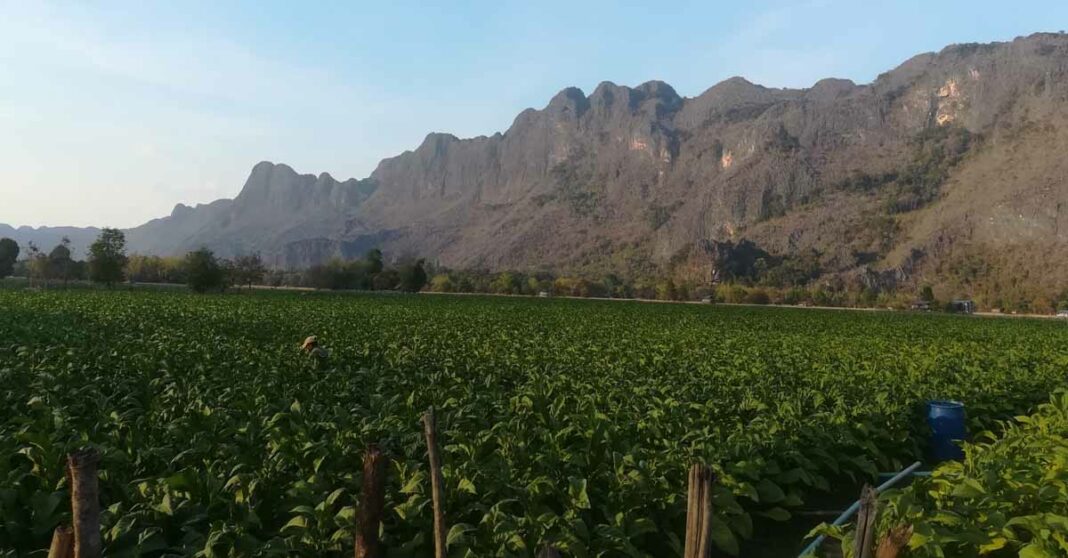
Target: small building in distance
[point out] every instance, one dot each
(543, 294)
(921, 305)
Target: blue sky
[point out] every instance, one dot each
(112, 112)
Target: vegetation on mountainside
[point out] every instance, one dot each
(934, 153)
(562, 421)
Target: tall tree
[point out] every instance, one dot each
(374, 261)
(203, 271)
(9, 254)
(60, 265)
(249, 269)
(107, 257)
(36, 265)
(412, 277)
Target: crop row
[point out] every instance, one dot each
(572, 422)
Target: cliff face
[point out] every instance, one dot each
(950, 157)
(292, 219)
(949, 150)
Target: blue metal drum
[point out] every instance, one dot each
(946, 419)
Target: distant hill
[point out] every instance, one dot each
(47, 238)
(950, 168)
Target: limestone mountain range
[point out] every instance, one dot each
(952, 167)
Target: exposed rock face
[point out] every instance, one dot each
(292, 219)
(629, 178)
(952, 152)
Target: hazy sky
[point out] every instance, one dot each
(112, 112)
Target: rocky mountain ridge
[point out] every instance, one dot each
(949, 167)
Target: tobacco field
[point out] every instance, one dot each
(564, 421)
(1008, 497)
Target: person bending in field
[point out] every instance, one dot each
(313, 350)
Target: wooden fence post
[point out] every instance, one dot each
(85, 502)
(895, 542)
(430, 426)
(372, 500)
(698, 542)
(62, 543)
(865, 531)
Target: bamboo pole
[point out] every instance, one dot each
(698, 542)
(62, 543)
(436, 482)
(372, 500)
(893, 546)
(864, 542)
(85, 502)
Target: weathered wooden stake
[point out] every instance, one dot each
(62, 543)
(895, 542)
(85, 502)
(865, 532)
(691, 512)
(372, 500)
(698, 542)
(430, 426)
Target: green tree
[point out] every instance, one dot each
(505, 283)
(374, 261)
(60, 265)
(36, 265)
(665, 290)
(203, 271)
(387, 280)
(144, 269)
(412, 277)
(441, 283)
(927, 294)
(613, 285)
(249, 269)
(9, 254)
(107, 257)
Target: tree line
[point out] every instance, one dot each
(752, 277)
(107, 263)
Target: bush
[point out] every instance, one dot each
(441, 283)
(411, 278)
(387, 280)
(757, 296)
(1006, 493)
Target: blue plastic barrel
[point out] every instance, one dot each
(946, 419)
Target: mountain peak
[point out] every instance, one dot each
(657, 88)
(569, 100)
(180, 209)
